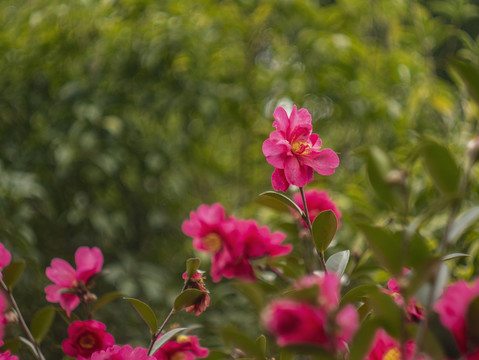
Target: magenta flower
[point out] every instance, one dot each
(71, 286)
(452, 309)
(182, 348)
(85, 338)
(315, 321)
(295, 151)
(5, 258)
(385, 347)
(125, 352)
(316, 201)
(231, 242)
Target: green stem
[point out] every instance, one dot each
(23, 324)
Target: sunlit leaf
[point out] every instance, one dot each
(325, 226)
(41, 322)
(146, 313)
(278, 201)
(337, 262)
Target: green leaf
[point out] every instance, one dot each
(253, 292)
(187, 298)
(164, 339)
(325, 226)
(469, 75)
(418, 251)
(192, 265)
(462, 224)
(386, 311)
(262, 344)
(41, 322)
(386, 246)
(106, 299)
(454, 256)
(30, 346)
(13, 272)
(363, 339)
(277, 200)
(146, 313)
(441, 166)
(308, 294)
(472, 321)
(239, 340)
(337, 262)
(358, 293)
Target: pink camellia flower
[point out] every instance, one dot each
(197, 282)
(313, 321)
(5, 257)
(71, 286)
(452, 309)
(7, 355)
(85, 338)
(3, 308)
(295, 151)
(125, 352)
(231, 242)
(385, 347)
(182, 348)
(317, 201)
(414, 310)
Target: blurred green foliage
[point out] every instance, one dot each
(118, 117)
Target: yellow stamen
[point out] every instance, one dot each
(87, 341)
(178, 356)
(182, 338)
(212, 242)
(300, 148)
(392, 354)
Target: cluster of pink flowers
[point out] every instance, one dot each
(295, 152)
(315, 321)
(232, 242)
(452, 309)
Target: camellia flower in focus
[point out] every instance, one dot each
(125, 352)
(72, 286)
(182, 348)
(85, 338)
(231, 242)
(197, 282)
(295, 152)
(452, 309)
(384, 347)
(316, 201)
(313, 321)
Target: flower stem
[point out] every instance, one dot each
(310, 228)
(23, 324)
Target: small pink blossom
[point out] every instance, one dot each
(231, 242)
(85, 338)
(452, 309)
(125, 352)
(385, 347)
(182, 348)
(197, 282)
(71, 286)
(317, 201)
(295, 151)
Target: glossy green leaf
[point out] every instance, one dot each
(187, 298)
(325, 226)
(441, 166)
(41, 322)
(469, 74)
(472, 322)
(146, 313)
(462, 224)
(13, 272)
(278, 201)
(106, 299)
(337, 262)
(387, 247)
(192, 265)
(165, 338)
(239, 340)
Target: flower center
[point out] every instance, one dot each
(392, 354)
(300, 148)
(178, 356)
(182, 338)
(212, 242)
(87, 341)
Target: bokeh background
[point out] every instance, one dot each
(119, 117)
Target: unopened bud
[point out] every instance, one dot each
(11, 318)
(89, 298)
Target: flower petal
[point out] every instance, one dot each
(323, 162)
(276, 152)
(89, 262)
(61, 273)
(281, 120)
(297, 173)
(278, 180)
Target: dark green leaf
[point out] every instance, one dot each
(192, 265)
(187, 298)
(13, 272)
(469, 75)
(41, 322)
(164, 339)
(279, 201)
(262, 344)
(239, 340)
(462, 223)
(441, 166)
(325, 226)
(146, 313)
(106, 299)
(337, 262)
(472, 321)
